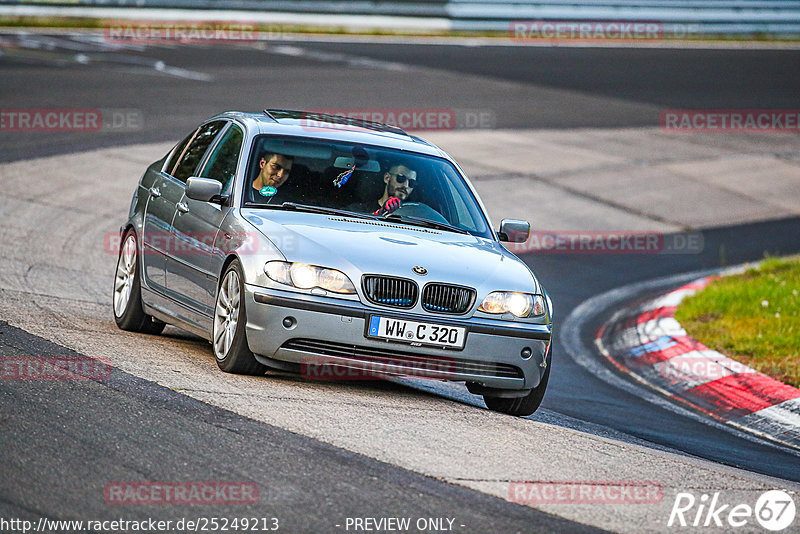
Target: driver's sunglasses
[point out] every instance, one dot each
(401, 179)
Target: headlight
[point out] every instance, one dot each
(519, 304)
(304, 276)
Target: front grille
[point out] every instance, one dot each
(445, 298)
(388, 291)
(412, 363)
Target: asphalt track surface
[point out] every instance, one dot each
(152, 428)
(523, 87)
(127, 428)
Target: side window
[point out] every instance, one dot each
(196, 149)
(221, 165)
(176, 153)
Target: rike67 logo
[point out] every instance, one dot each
(774, 510)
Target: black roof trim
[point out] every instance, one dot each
(277, 114)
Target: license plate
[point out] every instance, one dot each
(416, 333)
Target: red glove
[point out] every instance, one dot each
(392, 204)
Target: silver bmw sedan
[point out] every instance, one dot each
(337, 248)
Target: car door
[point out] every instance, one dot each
(189, 277)
(164, 192)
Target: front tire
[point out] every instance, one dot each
(228, 336)
(520, 406)
(128, 311)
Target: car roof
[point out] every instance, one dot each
(333, 127)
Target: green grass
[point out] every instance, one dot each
(49, 22)
(753, 317)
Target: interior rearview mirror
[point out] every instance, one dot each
(203, 189)
(514, 230)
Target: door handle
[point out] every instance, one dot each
(154, 192)
(182, 207)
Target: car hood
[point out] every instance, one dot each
(363, 246)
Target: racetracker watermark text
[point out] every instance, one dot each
(55, 368)
(403, 118)
(70, 120)
(609, 242)
(597, 31)
(186, 32)
(181, 493)
(731, 120)
(320, 368)
(586, 492)
(200, 243)
(696, 367)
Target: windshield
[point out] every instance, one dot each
(363, 179)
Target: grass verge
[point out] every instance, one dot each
(753, 317)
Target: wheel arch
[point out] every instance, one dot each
(228, 260)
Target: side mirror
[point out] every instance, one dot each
(203, 189)
(514, 231)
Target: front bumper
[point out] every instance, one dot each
(301, 329)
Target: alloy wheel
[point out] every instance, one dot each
(226, 314)
(126, 270)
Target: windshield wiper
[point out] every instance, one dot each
(425, 222)
(327, 211)
(391, 216)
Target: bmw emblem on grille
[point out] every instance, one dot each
(422, 271)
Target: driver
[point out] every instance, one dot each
(400, 182)
(275, 169)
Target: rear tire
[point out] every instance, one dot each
(228, 336)
(127, 298)
(520, 406)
